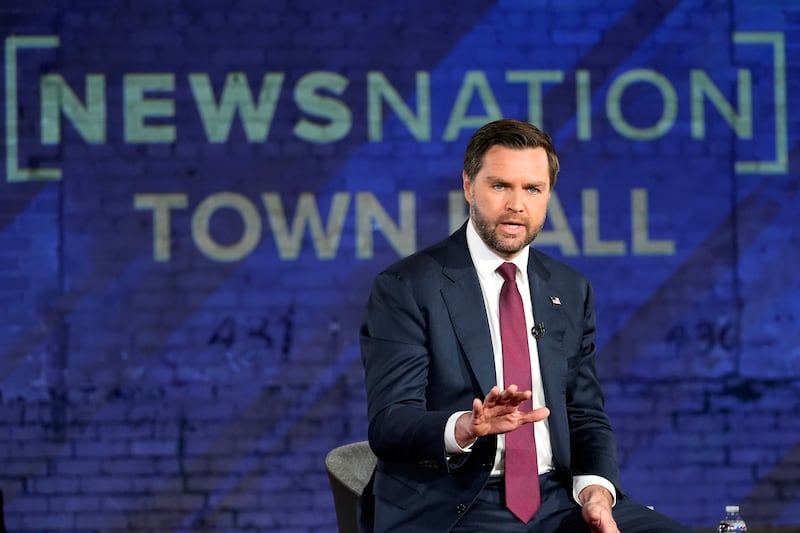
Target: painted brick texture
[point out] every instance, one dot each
(180, 305)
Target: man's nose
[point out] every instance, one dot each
(514, 200)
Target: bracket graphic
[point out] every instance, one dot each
(779, 165)
(12, 45)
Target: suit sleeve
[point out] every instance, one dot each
(394, 351)
(592, 441)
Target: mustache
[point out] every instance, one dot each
(524, 221)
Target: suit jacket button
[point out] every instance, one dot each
(460, 508)
(486, 466)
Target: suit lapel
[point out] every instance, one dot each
(464, 301)
(547, 310)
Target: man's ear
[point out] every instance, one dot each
(467, 184)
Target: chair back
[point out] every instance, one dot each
(2, 515)
(349, 469)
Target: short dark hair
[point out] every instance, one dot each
(513, 134)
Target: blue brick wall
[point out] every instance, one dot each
(182, 279)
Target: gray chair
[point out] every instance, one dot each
(349, 469)
(2, 515)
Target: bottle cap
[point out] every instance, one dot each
(731, 508)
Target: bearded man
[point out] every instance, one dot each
(484, 406)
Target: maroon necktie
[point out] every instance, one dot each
(521, 470)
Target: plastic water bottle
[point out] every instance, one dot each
(732, 521)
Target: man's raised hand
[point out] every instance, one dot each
(498, 413)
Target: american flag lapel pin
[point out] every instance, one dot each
(555, 300)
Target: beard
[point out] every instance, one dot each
(488, 231)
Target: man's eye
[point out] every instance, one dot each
(498, 186)
(534, 190)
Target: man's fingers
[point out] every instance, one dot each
(536, 415)
(512, 396)
(599, 518)
(492, 398)
(509, 396)
(477, 407)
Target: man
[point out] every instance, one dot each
(484, 407)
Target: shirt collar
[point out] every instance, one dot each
(486, 261)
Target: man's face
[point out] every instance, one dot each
(508, 198)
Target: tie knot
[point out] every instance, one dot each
(508, 271)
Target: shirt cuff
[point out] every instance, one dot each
(582, 481)
(450, 443)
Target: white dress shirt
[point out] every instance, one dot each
(486, 263)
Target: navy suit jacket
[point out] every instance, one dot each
(427, 353)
